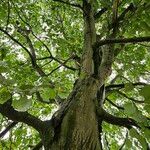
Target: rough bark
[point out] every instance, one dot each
(79, 127)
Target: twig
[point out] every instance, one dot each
(39, 98)
(16, 41)
(130, 98)
(126, 137)
(31, 46)
(145, 45)
(38, 146)
(32, 50)
(8, 15)
(7, 129)
(119, 107)
(62, 65)
(98, 14)
(129, 8)
(42, 43)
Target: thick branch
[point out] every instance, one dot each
(8, 111)
(7, 129)
(125, 40)
(120, 86)
(125, 122)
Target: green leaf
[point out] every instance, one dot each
(146, 133)
(140, 118)
(140, 138)
(2, 13)
(3, 67)
(145, 92)
(3, 52)
(52, 93)
(128, 87)
(133, 133)
(147, 107)
(23, 104)
(4, 95)
(26, 87)
(135, 2)
(48, 93)
(128, 143)
(130, 109)
(145, 25)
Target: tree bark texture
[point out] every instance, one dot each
(79, 127)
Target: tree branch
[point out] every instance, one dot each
(122, 16)
(16, 41)
(70, 4)
(126, 137)
(62, 64)
(125, 40)
(32, 51)
(125, 122)
(98, 14)
(130, 98)
(34, 64)
(119, 107)
(7, 129)
(120, 86)
(8, 111)
(8, 15)
(38, 146)
(131, 7)
(40, 99)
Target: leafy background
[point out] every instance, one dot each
(60, 28)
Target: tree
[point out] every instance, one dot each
(89, 60)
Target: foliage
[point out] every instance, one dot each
(54, 32)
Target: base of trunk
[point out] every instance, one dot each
(79, 127)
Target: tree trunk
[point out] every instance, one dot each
(79, 127)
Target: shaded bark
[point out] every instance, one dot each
(79, 127)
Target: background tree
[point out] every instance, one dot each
(87, 59)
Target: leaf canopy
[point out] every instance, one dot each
(53, 32)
